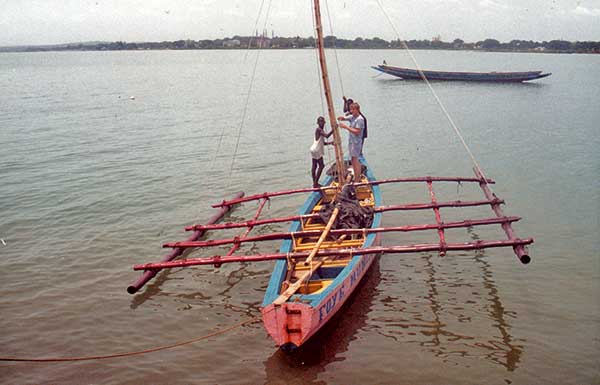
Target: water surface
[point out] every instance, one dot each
(105, 156)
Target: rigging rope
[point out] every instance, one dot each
(255, 26)
(337, 62)
(137, 353)
(212, 163)
(318, 67)
(435, 95)
(321, 92)
(243, 120)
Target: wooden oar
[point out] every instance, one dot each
(293, 288)
(324, 235)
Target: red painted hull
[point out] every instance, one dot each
(293, 323)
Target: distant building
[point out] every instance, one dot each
(231, 43)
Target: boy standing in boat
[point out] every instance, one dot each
(355, 138)
(317, 150)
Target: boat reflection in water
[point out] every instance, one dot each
(460, 318)
(305, 364)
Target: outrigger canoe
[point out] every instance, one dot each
(292, 320)
(327, 252)
(504, 77)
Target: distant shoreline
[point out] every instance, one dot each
(263, 42)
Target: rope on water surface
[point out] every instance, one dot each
(136, 353)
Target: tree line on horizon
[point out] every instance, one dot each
(263, 42)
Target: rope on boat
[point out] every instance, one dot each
(318, 67)
(330, 158)
(435, 95)
(255, 28)
(337, 62)
(212, 163)
(243, 120)
(136, 353)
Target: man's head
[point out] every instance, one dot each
(321, 121)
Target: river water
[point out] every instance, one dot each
(105, 156)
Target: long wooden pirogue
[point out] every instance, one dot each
(321, 263)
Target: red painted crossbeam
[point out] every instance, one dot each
(316, 233)
(267, 195)
(425, 247)
(410, 206)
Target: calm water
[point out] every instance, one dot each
(93, 181)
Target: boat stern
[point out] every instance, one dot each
(289, 324)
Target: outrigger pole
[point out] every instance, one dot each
(372, 183)
(337, 142)
(350, 252)
(379, 209)
(338, 232)
(148, 275)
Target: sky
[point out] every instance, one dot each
(32, 22)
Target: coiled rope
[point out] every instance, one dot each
(136, 353)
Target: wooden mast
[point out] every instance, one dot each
(337, 143)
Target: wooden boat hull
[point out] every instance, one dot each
(500, 77)
(292, 323)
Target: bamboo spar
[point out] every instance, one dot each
(410, 206)
(337, 142)
(424, 247)
(374, 182)
(519, 249)
(338, 232)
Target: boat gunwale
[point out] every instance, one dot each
(279, 271)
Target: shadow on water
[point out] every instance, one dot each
(152, 288)
(443, 341)
(304, 365)
(462, 84)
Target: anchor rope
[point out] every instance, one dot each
(136, 353)
(435, 95)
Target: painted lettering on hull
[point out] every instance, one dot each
(337, 297)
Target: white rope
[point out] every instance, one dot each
(243, 120)
(212, 163)
(444, 110)
(318, 67)
(337, 62)
(255, 26)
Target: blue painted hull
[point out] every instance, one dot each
(312, 311)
